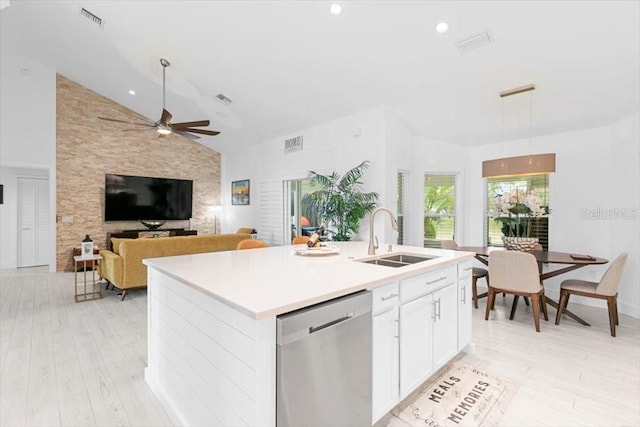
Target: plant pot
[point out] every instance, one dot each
(520, 243)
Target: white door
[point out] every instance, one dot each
(416, 352)
(445, 330)
(385, 362)
(33, 221)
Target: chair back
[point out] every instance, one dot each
(514, 271)
(299, 240)
(244, 230)
(449, 244)
(252, 244)
(611, 279)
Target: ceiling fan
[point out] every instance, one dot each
(164, 125)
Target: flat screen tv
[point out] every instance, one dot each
(134, 198)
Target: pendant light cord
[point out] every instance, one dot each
(164, 70)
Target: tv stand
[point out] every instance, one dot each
(134, 234)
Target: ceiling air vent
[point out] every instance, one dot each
(474, 42)
(223, 99)
(91, 17)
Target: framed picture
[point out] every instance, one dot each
(87, 250)
(240, 192)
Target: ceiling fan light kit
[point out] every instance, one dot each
(164, 125)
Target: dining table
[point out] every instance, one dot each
(567, 262)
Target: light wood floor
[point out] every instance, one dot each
(68, 364)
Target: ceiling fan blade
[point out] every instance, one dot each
(201, 131)
(126, 122)
(166, 117)
(135, 116)
(183, 125)
(186, 135)
(138, 130)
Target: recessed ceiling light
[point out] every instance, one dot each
(336, 9)
(132, 92)
(442, 27)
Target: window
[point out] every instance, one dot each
(439, 209)
(302, 219)
(524, 183)
(402, 179)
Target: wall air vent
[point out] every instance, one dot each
(91, 17)
(474, 42)
(223, 99)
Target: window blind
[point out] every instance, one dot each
(273, 218)
(400, 206)
(524, 183)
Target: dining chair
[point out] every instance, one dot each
(476, 273)
(537, 247)
(251, 244)
(606, 289)
(516, 273)
(244, 230)
(299, 240)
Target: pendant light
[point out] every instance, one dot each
(531, 164)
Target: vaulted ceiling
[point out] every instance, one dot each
(288, 65)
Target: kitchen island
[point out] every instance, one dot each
(212, 324)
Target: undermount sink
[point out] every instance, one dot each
(398, 259)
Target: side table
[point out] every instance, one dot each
(77, 252)
(84, 263)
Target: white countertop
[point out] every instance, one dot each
(270, 281)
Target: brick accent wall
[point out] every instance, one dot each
(88, 148)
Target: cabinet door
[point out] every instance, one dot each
(445, 329)
(385, 362)
(416, 352)
(465, 305)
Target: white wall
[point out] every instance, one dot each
(584, 180)
(624, 224)
(384, 140)
(327, 147)
(399, 149)
(437, 157)
(27, 141)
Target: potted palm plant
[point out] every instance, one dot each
(340, 200)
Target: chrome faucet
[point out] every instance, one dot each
(394, 224)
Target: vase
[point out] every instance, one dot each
(520, 243)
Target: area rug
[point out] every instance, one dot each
(461, 396)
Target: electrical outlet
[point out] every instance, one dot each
(67, 218)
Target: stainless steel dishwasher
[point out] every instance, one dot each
(324, 364)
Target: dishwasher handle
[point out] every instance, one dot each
(298, 324)
(313, 329)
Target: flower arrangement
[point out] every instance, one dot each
(515, 209)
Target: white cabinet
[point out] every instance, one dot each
(445, 325)
(416, 355)
(385, 364)
(428, 325)
(465, 303)
(417, 328)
